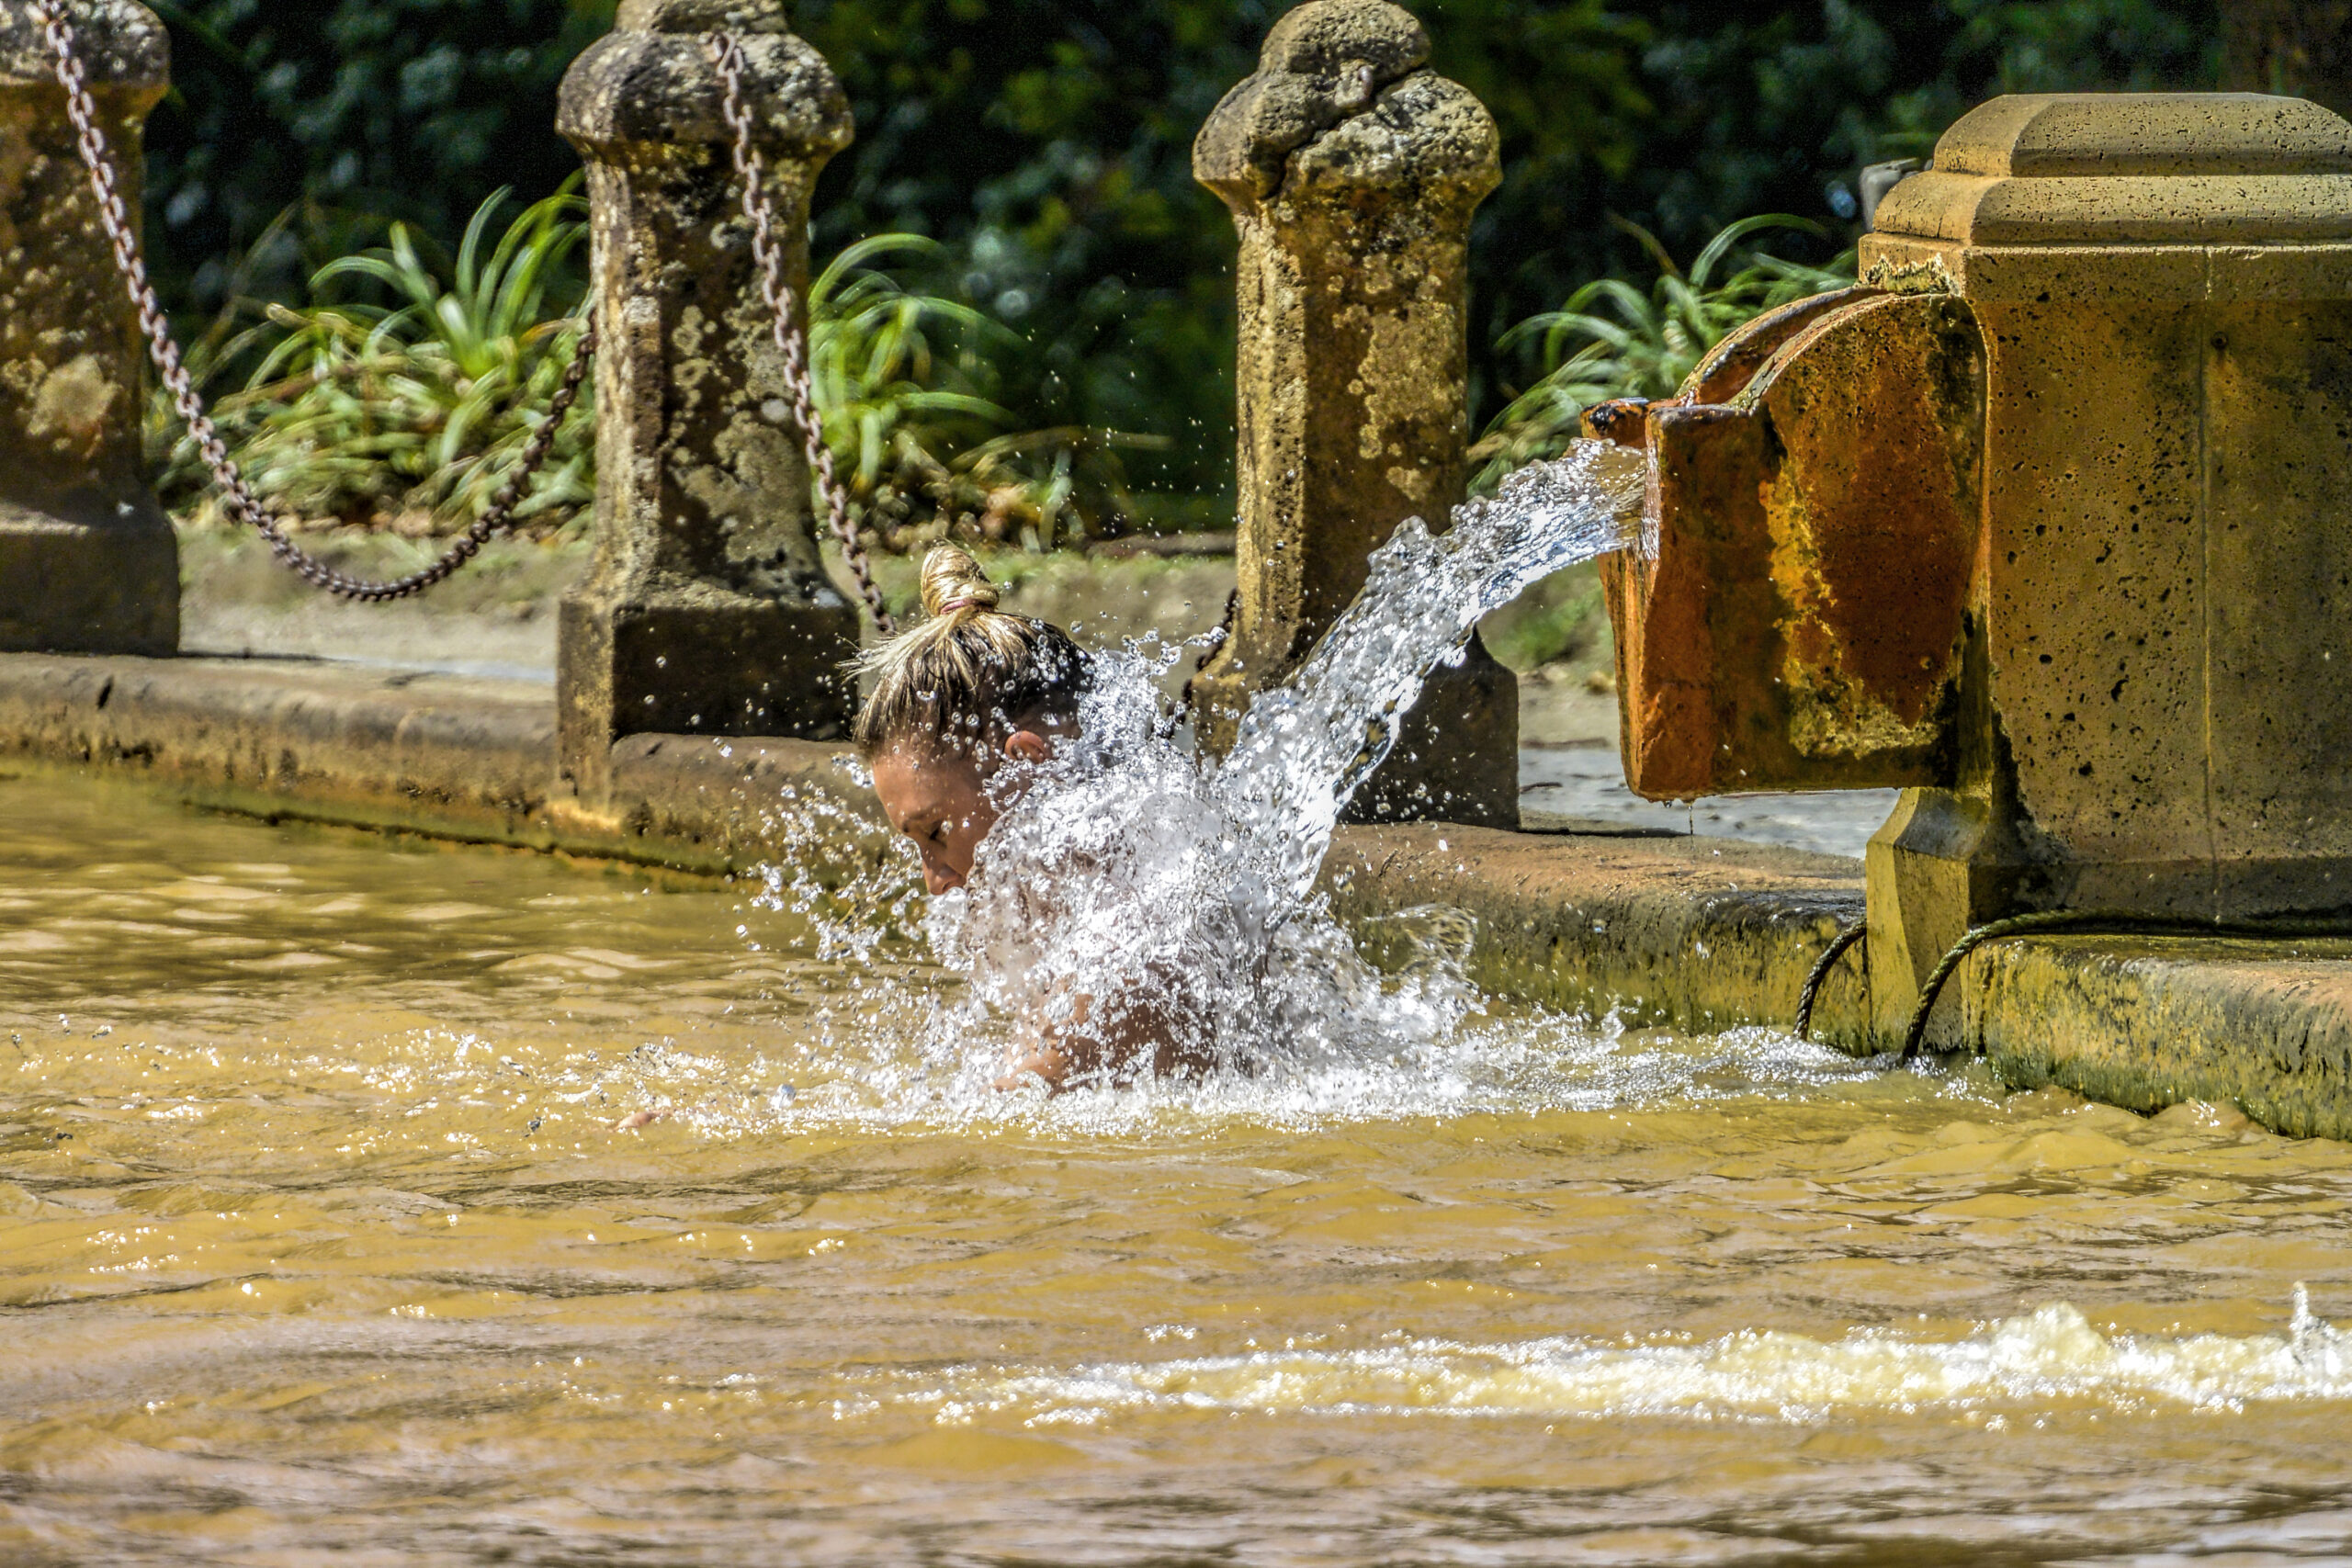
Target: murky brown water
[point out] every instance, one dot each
(317, 1239)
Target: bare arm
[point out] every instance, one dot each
(1148, 1024)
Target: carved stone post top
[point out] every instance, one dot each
(121, 44)
(651, 81)
(1340, 103)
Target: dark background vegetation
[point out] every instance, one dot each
(1048, 142)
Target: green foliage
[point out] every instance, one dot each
(1044, 145)
(407, 407)
(1773, 108)
(412, 412)
(921, 449)
(1047, 145)
(350, 112)
(877, 382)
(1611, 340)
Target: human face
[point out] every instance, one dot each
(939, 798)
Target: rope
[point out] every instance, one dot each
(2095, 922)
(1820, 972)
(241, 502)
(726, 54)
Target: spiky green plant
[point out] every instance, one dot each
(876, 374)
(900, 377)
(413, 411)
(408, 409)
(1611, 340)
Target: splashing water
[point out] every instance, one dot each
(1304, 747)
(2045, 1357)
(1130, 893)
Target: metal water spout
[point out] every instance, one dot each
(2050, 522)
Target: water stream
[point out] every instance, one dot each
(1128, 874)
(373, 1200)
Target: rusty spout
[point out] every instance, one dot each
(1799, 625)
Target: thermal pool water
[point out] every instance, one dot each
(365, 1201)
(319, 1241)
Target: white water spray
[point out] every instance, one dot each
(2049, 1360)
(1131, 891)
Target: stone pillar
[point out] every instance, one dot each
(708, 609)
(1351, 172)
(88, 563)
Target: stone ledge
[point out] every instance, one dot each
(1701, 933)
(2147, 1022)
(1696, 932)
(447, 756)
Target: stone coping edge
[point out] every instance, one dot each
(448, 756)
(1692, 932)
(1695, 933)
(2144, 1023)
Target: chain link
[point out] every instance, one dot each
(82, 110)
(1210, 645)
(785, 319)
(791, 341)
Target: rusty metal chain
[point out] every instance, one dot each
(1210, 645)
(784, 319)
(82, 110)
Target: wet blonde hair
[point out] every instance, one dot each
(970, 673)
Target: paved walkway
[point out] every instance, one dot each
(1584, 782)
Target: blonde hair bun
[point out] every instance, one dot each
(961, 676)
(952, 581)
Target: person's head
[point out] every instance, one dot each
(955, 699)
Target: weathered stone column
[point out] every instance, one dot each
(708, 609)
(1351, 172)
(87, 561)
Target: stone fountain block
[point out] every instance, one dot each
(708, 609)
(2051, 523)
(1351, 171)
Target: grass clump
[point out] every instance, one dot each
(1612, 340)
